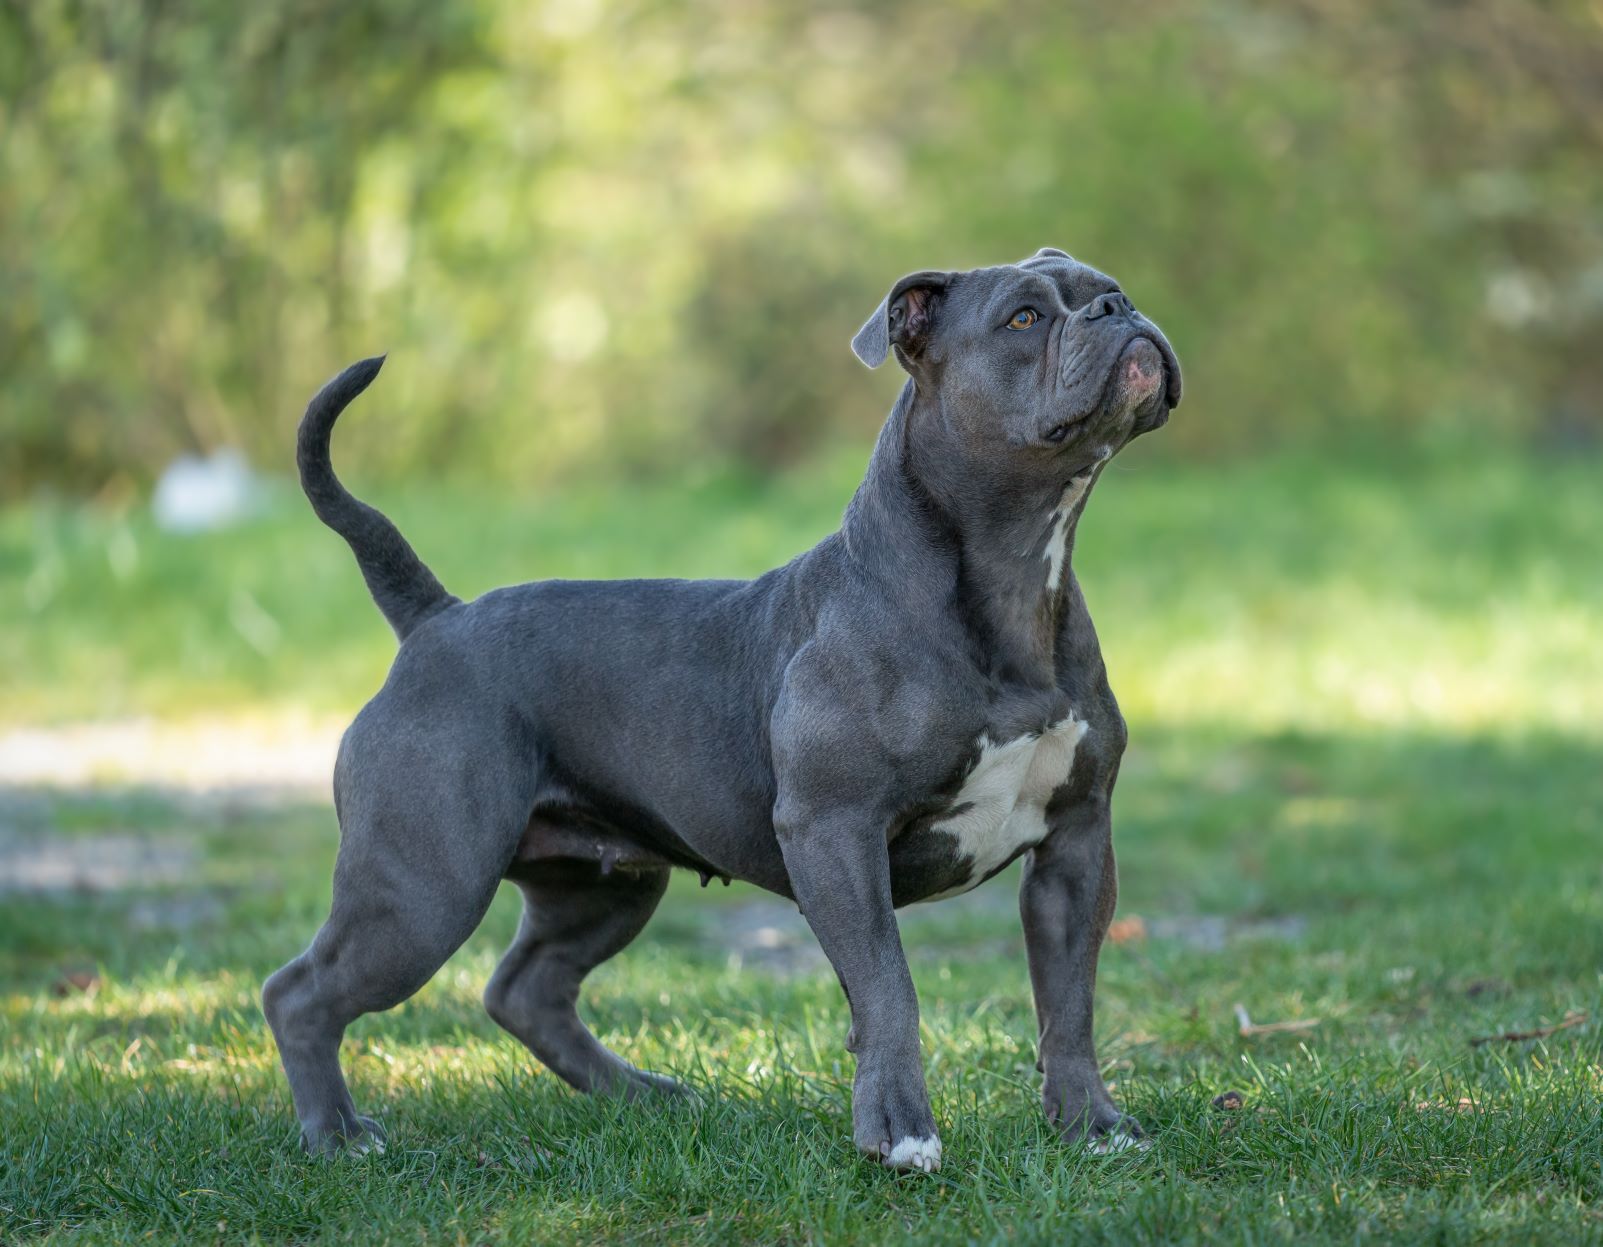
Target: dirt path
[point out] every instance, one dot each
(293, 754)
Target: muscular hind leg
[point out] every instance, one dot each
(409, 888)
(574, 918)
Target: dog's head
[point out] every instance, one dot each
(1044, 358)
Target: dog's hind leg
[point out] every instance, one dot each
(416, 872)
(574, 918)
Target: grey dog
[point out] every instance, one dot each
(893, 716)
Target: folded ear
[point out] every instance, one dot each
(904, 319)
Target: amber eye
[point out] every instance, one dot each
(1023, 318)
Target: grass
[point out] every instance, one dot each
(1365, 789)
(1454, 593)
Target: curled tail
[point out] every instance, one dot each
(405, 590)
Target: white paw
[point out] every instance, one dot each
(1119, 1139)
(911, 1153)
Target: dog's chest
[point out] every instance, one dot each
(1000, 809)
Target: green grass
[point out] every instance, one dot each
(1365, 788)
(1449, 593)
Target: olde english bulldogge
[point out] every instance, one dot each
(891, 717)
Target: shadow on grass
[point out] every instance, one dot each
(1408, 829)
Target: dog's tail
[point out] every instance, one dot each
(405, 590)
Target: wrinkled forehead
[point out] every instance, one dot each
(989, 293)
(1077, 283)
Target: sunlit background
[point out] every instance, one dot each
(1351, 597)
(630, 237)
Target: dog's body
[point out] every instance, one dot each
(893, 716)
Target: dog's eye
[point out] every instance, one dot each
(1023, 318)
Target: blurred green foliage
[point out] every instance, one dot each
(638, 234)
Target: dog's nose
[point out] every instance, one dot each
(1111, 304)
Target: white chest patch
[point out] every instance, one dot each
(1001, 808)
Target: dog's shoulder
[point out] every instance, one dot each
(858, 706)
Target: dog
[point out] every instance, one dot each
(893, 716)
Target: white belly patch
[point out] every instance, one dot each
(1001, 807)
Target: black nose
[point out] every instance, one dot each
(1111, 304)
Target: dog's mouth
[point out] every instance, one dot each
(1136, 375)
(1059, 434)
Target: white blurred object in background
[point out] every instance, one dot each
(194, 495)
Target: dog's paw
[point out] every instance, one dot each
(1122, 1137)
(909, 1154)
(1079, 1105)
(643, 1085)
(361, 1137)
(891, 1120)
(368, 1141)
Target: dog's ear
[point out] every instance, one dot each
(904, 319)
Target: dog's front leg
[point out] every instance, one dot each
(1067, 899)
(840, 873)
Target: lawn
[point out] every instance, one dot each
(1364, 795)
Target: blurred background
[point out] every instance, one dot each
(1350, 597)
(625, 237)
(623, 246)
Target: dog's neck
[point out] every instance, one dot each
(993, 548)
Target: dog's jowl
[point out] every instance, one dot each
(892, 717)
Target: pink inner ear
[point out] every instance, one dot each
(918, 299)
